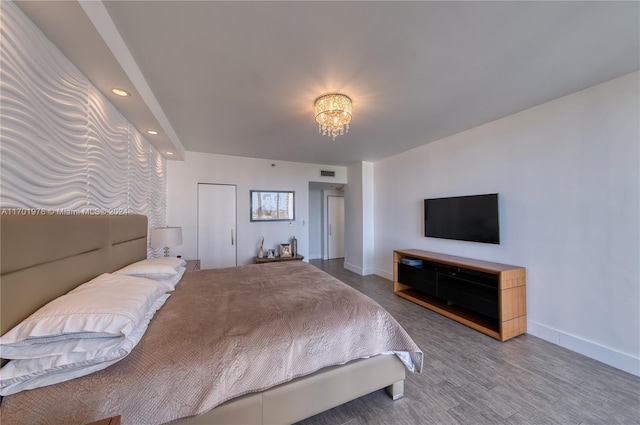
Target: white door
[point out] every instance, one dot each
(216, 225)
(335, 220)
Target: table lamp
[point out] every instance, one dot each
(165, 237)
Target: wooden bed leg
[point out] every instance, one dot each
(395, 390)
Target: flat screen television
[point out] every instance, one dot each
(465, 218)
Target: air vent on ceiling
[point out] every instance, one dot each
(325, 173)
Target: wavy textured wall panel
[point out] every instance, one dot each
(63, 145)
(139, 173)
(157, 197)
(44, 120)
(108, 154)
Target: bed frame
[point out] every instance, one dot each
(44, 256)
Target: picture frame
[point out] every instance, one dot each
(272, 205)
(285, 250)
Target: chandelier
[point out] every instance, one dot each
(333, 114)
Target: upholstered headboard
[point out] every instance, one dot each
(45, 256)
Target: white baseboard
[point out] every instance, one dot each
(617, 359)
(357, 269)
(601, 353)
(385, 274)
(353, 268)
(612, 357)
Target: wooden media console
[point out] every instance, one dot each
(488, 297)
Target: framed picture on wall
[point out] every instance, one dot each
(272, 205)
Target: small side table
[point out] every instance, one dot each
(276, 259)
(192, 265)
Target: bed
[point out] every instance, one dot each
(46, 256)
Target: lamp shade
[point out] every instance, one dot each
(163, 237)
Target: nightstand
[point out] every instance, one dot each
(192, 265)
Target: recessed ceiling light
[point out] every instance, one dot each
(168, 153)
(152, 132)
(120, 92)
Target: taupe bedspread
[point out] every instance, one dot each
(223, 333)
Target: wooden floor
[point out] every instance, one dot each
(470, 378)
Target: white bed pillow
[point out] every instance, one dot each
(20, 375)
(161, 268)
(173, 280)
(107, 307)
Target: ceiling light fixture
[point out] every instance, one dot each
(168, 153)
(120, 92)
(152, 132)
(333, 114)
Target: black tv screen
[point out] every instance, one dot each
(466, 218)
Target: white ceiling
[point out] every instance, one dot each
(239, 78)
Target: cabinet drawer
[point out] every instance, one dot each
(479, 298)
(418, 278)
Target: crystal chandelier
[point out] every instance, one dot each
(333, 114)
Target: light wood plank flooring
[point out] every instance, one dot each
(470, 378)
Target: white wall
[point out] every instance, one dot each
(359, 219)
(64, 147)
(353, 219)
(315, 223)
(368, 219)
(247, 174)
(568, 179)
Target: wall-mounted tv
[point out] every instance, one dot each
(466, 218)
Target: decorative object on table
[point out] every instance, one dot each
(333, 114)
(294, 246)
(285, 250)
(411, 261)
(165, 237)
(260, 250)
(271, 253)
(272, 205)
(277, 259)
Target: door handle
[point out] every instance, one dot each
(231, 236)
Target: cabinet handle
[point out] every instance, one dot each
(329, 229)
(231, 236)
